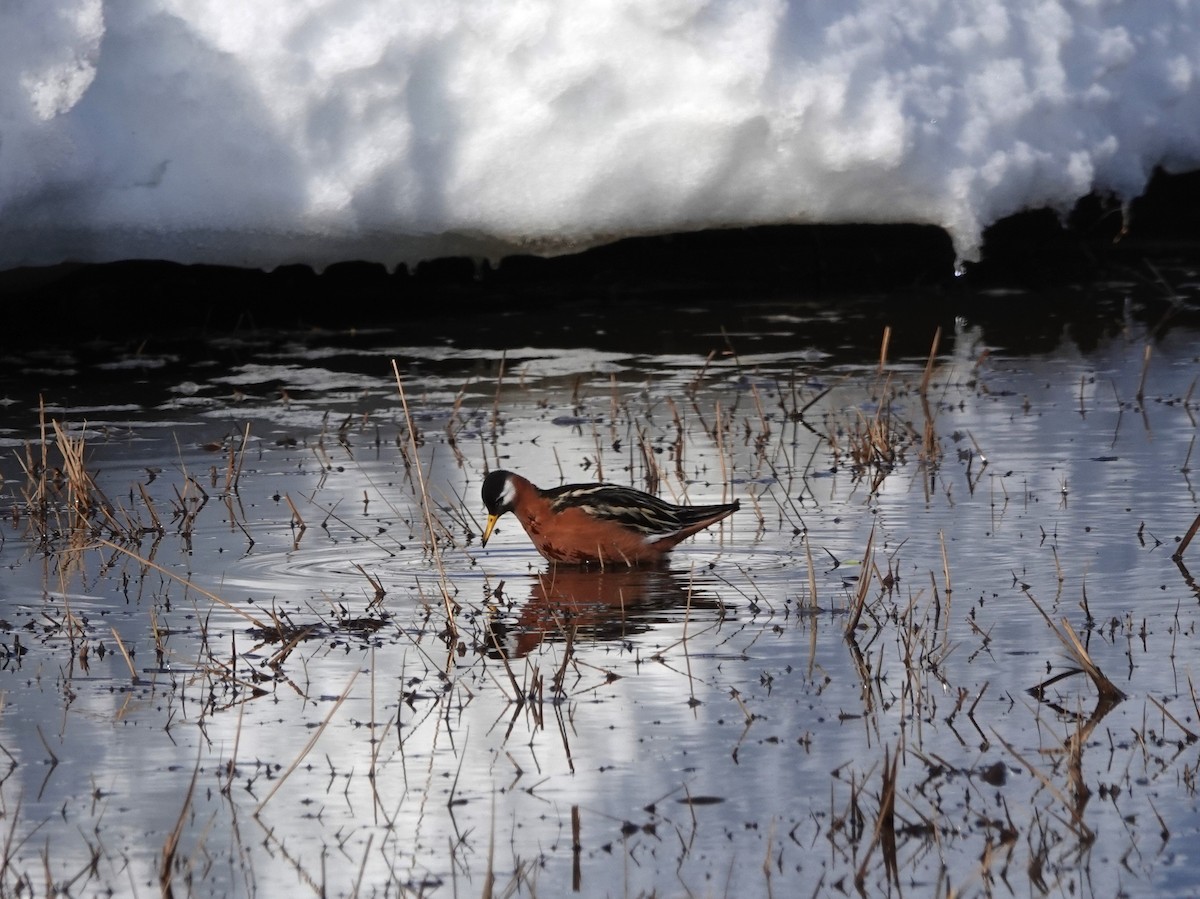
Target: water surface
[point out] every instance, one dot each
(262, 650)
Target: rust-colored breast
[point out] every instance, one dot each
(574, 536)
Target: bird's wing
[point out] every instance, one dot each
(638, 511)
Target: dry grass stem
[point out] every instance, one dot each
(1187, 539)
(297, 518)
(864, 585)
(224, 603)
(133, 675)
(1190, 735)
(427, 511)
(1141, 391)
(933, 350)
(171, 845)
(312, 741)
(1075, 648)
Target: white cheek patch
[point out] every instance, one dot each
(508, 495)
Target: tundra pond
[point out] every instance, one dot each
(250, 645)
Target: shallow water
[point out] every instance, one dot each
(253, 600)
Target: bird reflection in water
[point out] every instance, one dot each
(607, 604)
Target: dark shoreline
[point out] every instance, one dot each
(1027, 253)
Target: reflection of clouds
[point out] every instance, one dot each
(119, 748)
(1018, 526)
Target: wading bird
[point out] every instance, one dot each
(604, 524)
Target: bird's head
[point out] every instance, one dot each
(499, 496)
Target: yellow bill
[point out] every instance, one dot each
(487, 530)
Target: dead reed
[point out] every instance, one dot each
(1078, 653)
(1187, 540)
(426, 507)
